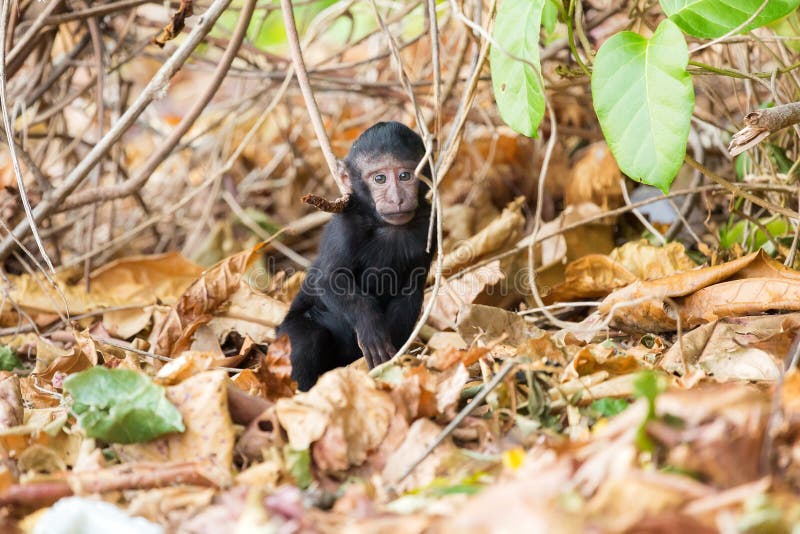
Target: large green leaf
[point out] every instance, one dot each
(714, 18)
(121, 406)
(644, 98)
(516, 86)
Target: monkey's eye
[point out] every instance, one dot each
(380, 178)
(405, 176)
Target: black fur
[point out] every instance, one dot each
(369, 276)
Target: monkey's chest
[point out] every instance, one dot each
(388, 267)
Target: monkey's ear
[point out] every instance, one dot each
(341, 168)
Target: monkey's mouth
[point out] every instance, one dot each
(398, 217)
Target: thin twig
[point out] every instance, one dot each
(738, 191)
(23, 195)
(308, 94)
(508, 366)
(642, 219)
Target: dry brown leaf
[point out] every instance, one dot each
(342, 418)
(52, 360)
(202, 401)
(722, 432)
(448, 389)
(499, 235)
(648, 262)
(591, 276)
(455, 294)
(594, 358)
(197, 304)
(620, 503)
(527, 503)
(489, 323)
(249, 312)
(175, 25)
(736, 348)
(552, 253)
(124, 324)
(275, 371)
(767, 267)
(447, 357)
(137, 280)
(420, 434)
(595, 178)
(740, 297)
(446, 340)
(649, 314)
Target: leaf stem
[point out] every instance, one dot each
(567, 16)
(743, 75)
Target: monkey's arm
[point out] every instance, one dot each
(342, 294)
(343, 297)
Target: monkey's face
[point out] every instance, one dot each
(393, 188)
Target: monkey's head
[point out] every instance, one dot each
(380, 171)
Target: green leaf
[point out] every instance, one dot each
(729, 234)
(549, 16)
(8, 359)
(644, 98)
(298, 463)
(608, 407)
(516, 83)
(715, 18)
(647, 385)
(121, 406)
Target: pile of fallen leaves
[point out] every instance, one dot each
(169, 405)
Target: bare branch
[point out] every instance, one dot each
(761, 123)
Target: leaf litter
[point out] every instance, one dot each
(618, 433)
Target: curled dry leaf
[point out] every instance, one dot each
(175, 25)
(596, 275)
(455, 294)
(250, 313)
(740, 297)
(640, 305)
(648, 262)
(342, 418)
(188, 364)
(197, 304)
(736, 348)
(52, 360)
(275, 371)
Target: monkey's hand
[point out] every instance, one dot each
(375, 345)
